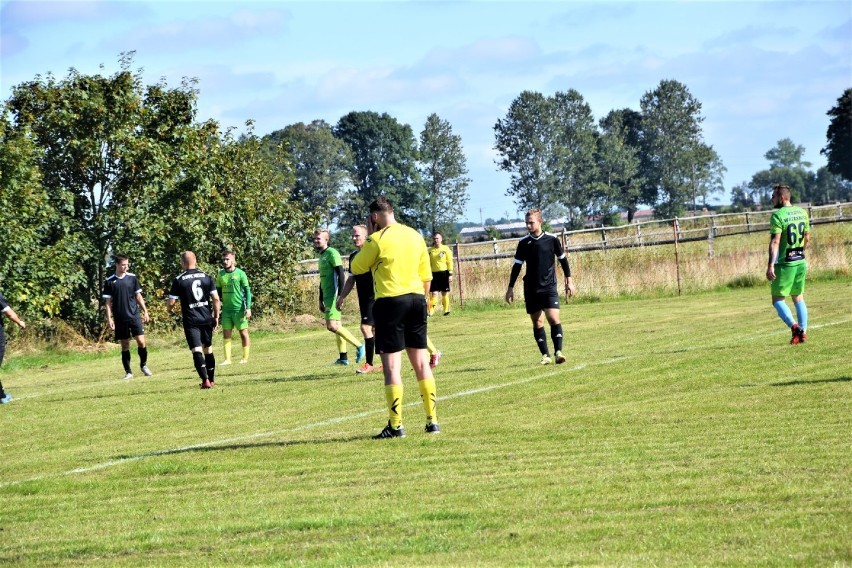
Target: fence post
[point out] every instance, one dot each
(748, 223)
(639, 233)
(711, 234)
(603, 236)
(676, 229)
(460, 278)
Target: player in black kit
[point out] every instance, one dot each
(538, 250)
(123, 297)
(194, 289)
(6, 310)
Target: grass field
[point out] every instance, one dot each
(682, 431)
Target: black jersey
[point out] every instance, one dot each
(539, 253)
(364, 282)
(193, 288)
(122, 292)
(3, 307)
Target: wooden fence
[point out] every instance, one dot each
(669, 255)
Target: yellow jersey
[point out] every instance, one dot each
(441, 259)
(397, 258)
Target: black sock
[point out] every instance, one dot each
(540, 339)
(556, 336)
(143, 356)
(198, 360)
(370, 344)
(125, 360)
(344, 356)
(210, 362)
(2, 392)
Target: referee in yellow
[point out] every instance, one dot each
(441, 261)
(397, 257)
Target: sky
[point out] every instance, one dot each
(762, 70)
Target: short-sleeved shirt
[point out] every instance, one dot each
(363, 282)
(194, 288)
(791, 223)
(539, 253)
(329, 260)
(398, 259)
(441, 259)
(234, 290)
(122, 293)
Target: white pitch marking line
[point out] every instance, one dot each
(339, 419)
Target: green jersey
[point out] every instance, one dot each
(792, 224)
(234, 290)
(329, 260)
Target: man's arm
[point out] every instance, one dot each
(513, 277)
(570, 290)
(217, 307)
(108, 306)
(347, 288)
(141, 301)
(171, 304)
(774, 244)
(10, 313)
(365, 258)
(247, 289)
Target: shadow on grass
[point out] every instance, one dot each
(801, 382)
(246, 446)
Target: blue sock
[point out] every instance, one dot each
(784, 312)
(802, 314)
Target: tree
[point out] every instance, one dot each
(785, 166)
(104, 144)
(39, 244)
(787, 155)
(548, 145)
(708, 174)
(125, 168)
(524, 140)
(384, 163)
(619, 181)
(321, 163)
(443, 171)
(671, 148)
(838, 150)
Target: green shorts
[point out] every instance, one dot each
(332, 313)
(231, 320)
(789, 279)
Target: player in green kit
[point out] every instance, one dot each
(790, 233)
(233, 286)
(332, 278)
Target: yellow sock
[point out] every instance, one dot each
(393, 394)
(445, 301)
(228, 345)
(344, 333)
(246, 351)
(430, 347)
(341, 343)
(429, 395)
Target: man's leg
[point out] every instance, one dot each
(426, 383)
(227, 337)
(392, 369)
(555, 333)
(539, 333)
(783, 310)
(210, 363)
(125, 357)
(445, 302)
(142, 351)
(244, 336)
(369, 342)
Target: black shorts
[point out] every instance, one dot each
(198, 335)
(440, 281)
(2, 343)
(129, 328)
(543, 300)
(366, 307)
(400, 323)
